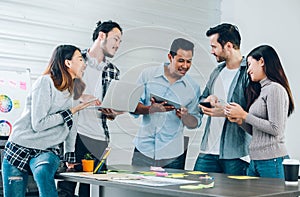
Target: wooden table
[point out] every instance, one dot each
(223, 186)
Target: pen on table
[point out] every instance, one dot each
(102, 160)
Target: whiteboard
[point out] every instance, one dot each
(15, 84)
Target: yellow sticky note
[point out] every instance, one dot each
(148, 173)
(190, 187)
(196, 172)
(243, 177)
(177, 175)
(16, 104)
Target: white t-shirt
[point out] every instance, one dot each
(89, 121)
(221, 89)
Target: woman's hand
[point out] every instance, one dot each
(236, 120)
(85, 101)
(235, 111)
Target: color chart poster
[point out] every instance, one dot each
(14, 86)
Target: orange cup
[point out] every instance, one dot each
(87, 165)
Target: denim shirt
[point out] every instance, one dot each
(234, 140)
(160, 135)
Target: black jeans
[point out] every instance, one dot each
(83, 145)
(139, 159)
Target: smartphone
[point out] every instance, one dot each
(206, 104)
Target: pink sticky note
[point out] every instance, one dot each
(23, 85)
(163, 174)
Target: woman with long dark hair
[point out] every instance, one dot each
(270, 102)
(46, 122)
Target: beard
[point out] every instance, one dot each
(107, 54)
(105, 51)
(220, 59)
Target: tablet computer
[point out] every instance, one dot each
(159, 99)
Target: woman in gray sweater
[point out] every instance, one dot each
(270, 102)
(46, 122)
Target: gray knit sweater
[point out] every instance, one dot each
(268, 116)
(40, 125)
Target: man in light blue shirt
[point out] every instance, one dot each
(160, 140)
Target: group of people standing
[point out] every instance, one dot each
(250, 101)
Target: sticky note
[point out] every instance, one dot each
(148, 173)
(196, 172)
(162, 174)
(16, 104)
(23, 85)
(177, 175)
(243, 177)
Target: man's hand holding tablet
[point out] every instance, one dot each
(164, 104)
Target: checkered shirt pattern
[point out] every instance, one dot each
(20, 156)
(109, 73)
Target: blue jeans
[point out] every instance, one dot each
(212, 163)
(139, 159)
(271, 168)
(43, 168)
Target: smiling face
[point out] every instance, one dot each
(76, 65)
(256, 69)
(180, 63)
(216, 48)
(111, 43)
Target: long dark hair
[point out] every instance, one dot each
(59, 73)
(274, 71)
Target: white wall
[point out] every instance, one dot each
(277, 23)
(29, 31)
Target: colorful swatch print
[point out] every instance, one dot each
(5, 103)
(5, 128)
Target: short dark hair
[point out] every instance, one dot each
(181, 43)
(105, 27)
(227, 33)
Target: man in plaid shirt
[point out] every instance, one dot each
(93, 134)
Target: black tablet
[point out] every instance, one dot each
(159, 99)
